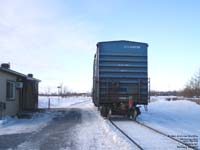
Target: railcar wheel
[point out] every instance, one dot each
(138, 110)
(134, 113)
(104, 111)
(109, 113)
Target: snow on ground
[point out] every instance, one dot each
(145, 137)
(172, 117)
(9, 125)
(14, 125)
(59, 102)
(94, 132)
(97, 133)
(175, 118)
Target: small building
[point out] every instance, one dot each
(18, 92)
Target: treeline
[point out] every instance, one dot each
(164, 93)
(192, 88)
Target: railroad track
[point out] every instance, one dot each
(132, 141)
(166, 135)
(184, 145)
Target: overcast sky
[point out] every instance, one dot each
(56, 39)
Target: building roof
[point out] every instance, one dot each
(121, 41)
(18, 74)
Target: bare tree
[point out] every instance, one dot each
(192, 88)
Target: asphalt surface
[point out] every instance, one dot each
(58, 134)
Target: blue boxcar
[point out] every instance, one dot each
(120, 77)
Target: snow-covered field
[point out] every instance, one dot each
(59, 102)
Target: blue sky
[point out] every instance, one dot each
(56, 39)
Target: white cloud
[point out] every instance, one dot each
(42, 37)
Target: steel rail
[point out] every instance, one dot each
(135, 143)
(166, 135)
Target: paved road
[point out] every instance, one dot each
(56, 135)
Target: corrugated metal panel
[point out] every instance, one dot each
(125, 63)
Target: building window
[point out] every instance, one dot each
(10, 90)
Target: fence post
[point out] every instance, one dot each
(49, 103)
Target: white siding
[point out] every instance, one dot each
(12, 107)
